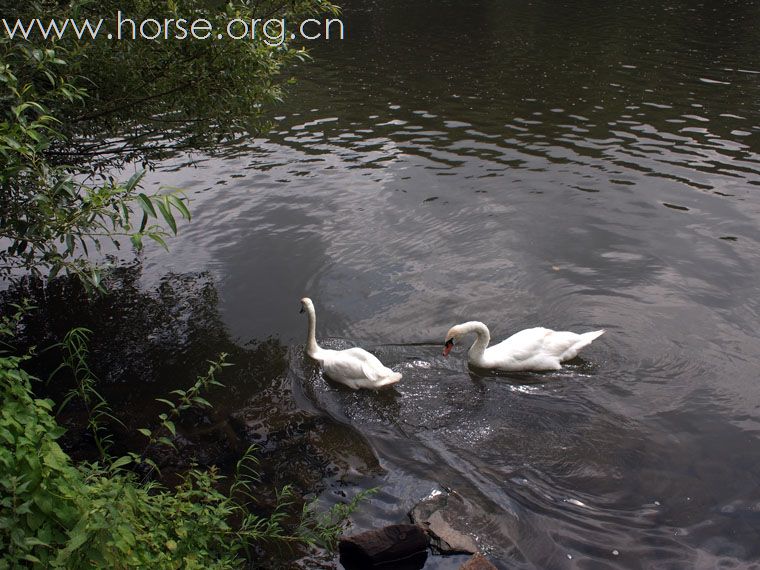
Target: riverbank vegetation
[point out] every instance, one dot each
(76, 115)
(77, 112)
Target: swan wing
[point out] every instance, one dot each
(521, 346)
(571, 343)
(539, 348)
(342, 365)
(358, 368)
(559, 343)
(374, 370)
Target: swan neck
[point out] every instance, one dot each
(311, 340)
(482, 338)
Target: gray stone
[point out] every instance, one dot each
(394, 543)
(444, 517)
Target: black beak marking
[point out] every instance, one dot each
(302, 310)
(449, 342)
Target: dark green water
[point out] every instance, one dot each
(576, 165)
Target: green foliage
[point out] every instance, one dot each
(70, 108)
(49, 219)
(147, 93)
(55, 514)
(189, 93)
(311, 527)
(40, 492)
(325, 528)
(183, 400)
(75, 351)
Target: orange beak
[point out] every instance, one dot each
(448, 346)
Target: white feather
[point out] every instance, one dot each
(530, 349)
(354, 367)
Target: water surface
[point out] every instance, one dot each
(576, 165)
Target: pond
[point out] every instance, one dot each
(569, 164)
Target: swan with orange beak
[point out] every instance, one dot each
(535, 349)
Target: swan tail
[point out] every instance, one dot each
(589, 337)
(583, 341)
(388, 380)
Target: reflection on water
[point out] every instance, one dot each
(147, 342)
(576, 165)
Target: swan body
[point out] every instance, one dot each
(530, 349)
(354, 367)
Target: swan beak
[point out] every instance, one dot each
(302, 309)
(448, 346)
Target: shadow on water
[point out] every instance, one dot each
(146, 343)
(546, 465)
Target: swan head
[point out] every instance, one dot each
(451, 337)
(458, 331)
(306, 304)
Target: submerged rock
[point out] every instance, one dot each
(402, 545)
(477, 562)
(310, 449)
(445, 518)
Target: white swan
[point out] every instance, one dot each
(529, 349)
(354, 367)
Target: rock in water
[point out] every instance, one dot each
(477, 562)
(394, 543)
(442, 516)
